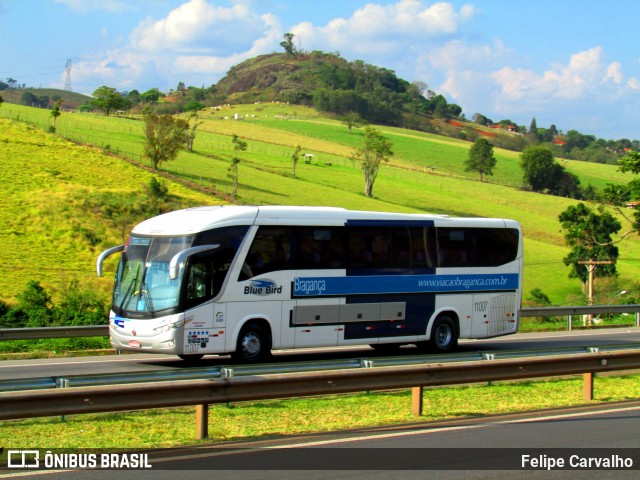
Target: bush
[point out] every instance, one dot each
(79, 304)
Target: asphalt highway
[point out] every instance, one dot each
(130, 363)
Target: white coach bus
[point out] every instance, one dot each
(245, 280)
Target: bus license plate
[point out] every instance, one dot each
(134, 344)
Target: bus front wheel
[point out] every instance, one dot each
(253, 344)
(444, 338)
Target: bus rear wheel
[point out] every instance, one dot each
(253, 344)
(444, 338)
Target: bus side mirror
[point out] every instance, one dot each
(104, 255)
(180, 258)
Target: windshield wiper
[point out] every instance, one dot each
(146, 296)
(130, 288)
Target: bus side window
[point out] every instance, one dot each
(199, 281)
(453, 247)
(269, 252)
(423, 247)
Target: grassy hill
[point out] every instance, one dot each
(54, 205)
(70, 99)
(54, 222)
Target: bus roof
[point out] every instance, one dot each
(199, 219)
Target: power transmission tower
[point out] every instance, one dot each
(67, 81)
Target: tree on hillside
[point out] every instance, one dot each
(238, 146)
(1, 100)
(29, 99)
(481, 158)
(544, 174)
(421, 87)
(376, 149)
(352, 119)
(295, 157)
(191, 128)
(134, 97)
(454, 110)
(151, 96)
(589, 235)
(481, 119)
(621, 195)
(533, 130)
(439, 106)
(107, 99)
(165, 136)
(288, 45)
(55, 113)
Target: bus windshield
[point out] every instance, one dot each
(142, 281)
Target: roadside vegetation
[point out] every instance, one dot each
(247, 420)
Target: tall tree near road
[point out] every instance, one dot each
(481, 158)
(376, 149)
(589, 235)
(621, 196)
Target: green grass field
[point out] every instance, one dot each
(48, 177)
(172, 427)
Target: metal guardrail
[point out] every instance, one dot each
(54, 332)
(81, 400)
(227, 371)
(580, 310)
(103, 330)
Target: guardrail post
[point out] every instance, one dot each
(489, 356)
(417, 401)
(202, 421)
(226, 372)
(587, 387)
(62, 383)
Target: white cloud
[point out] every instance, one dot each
(196, 42)
(584, 94)
(375, 29)
(221, 64)
(458, 54)
(199, 27)
(586, 74)
(614, 72)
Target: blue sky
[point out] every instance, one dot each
(572, 63)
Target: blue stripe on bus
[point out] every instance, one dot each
(384, 284)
